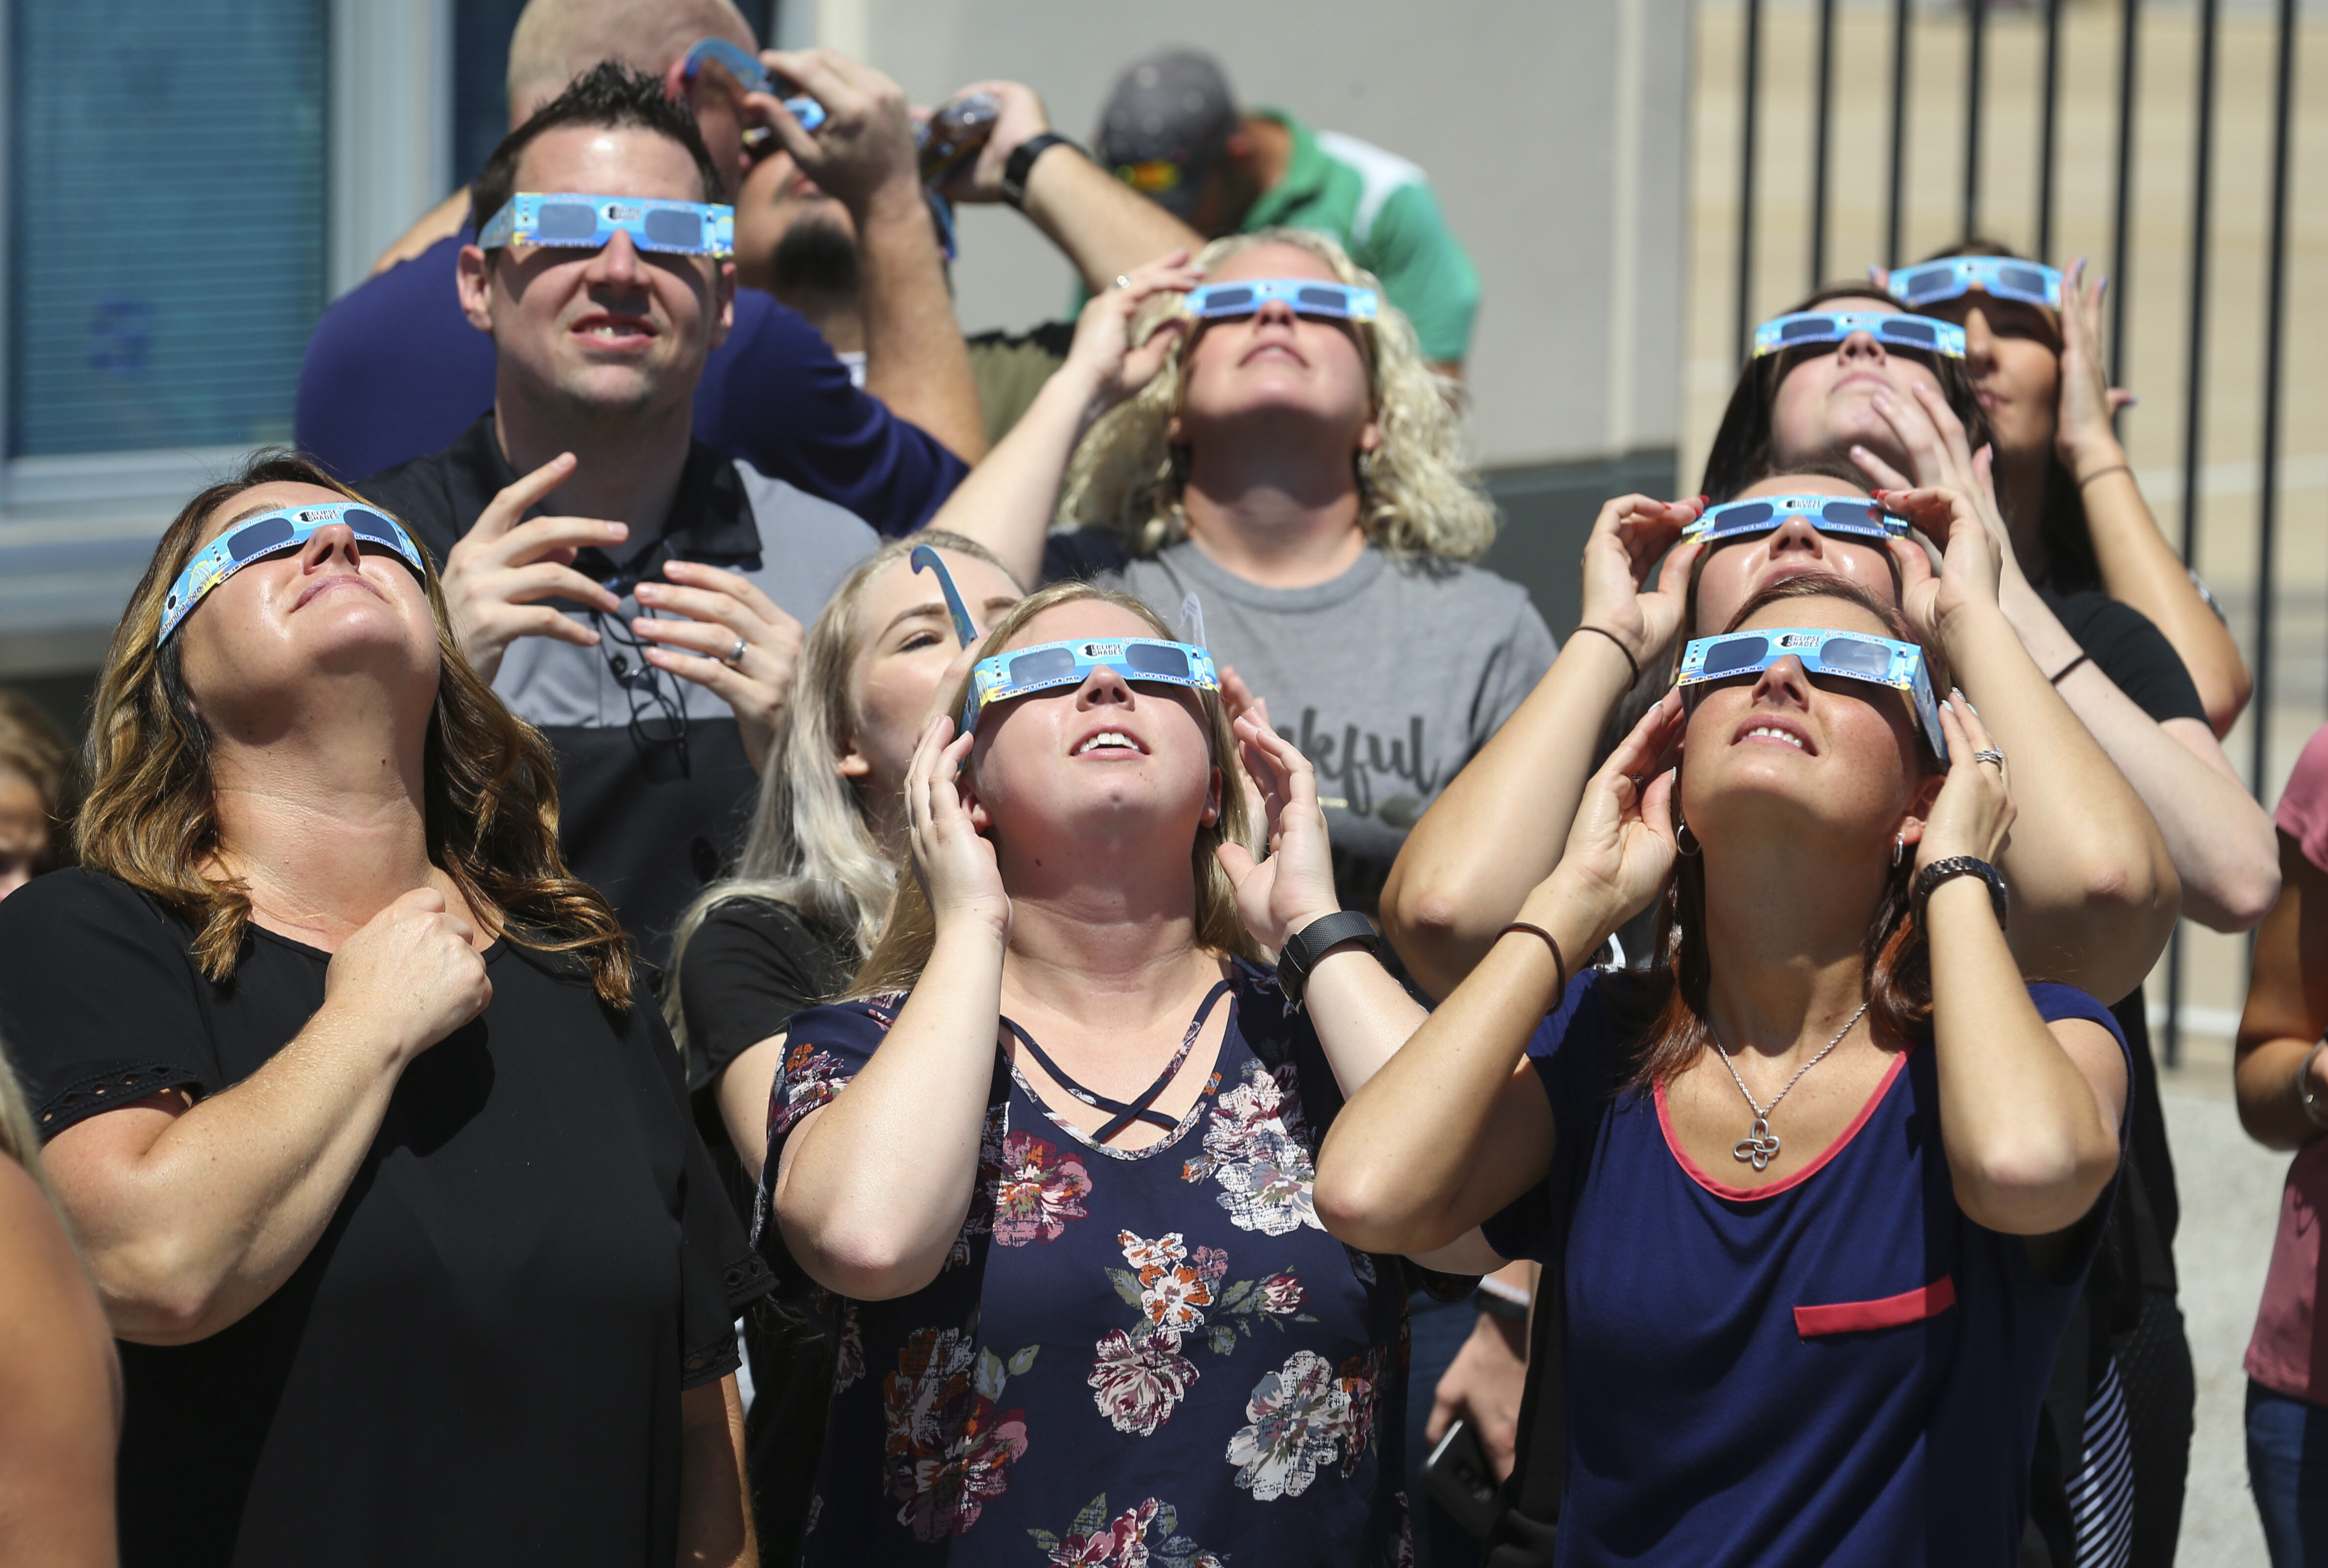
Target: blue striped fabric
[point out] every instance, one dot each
(165, 220)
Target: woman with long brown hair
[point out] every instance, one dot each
(1820, 1181)
(384, 1174)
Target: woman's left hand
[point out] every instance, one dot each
(1973, 813)
(1295, 885)
(2082, 433)
(1969, 570)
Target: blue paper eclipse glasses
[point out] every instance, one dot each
(271, 534)
(1853, 655)
(589, 222)
(1336, 301)
(751, 76)
(2000, 278)
(1049, 665)
(1828, 513)
(1919, 333)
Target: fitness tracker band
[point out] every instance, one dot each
(1957, 865)
(1021, 164)
(1305, 946)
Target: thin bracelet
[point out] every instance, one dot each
(1631, 662)
(2113, 468)
(2303, 1085)
(2081, 659)
(1559, 960)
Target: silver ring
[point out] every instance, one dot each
(735, 654)
(1989, 754)
(1123, 280)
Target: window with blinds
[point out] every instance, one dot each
(165, 219)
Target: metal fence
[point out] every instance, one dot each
(1909, 26)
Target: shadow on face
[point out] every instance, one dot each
(1291, 372)
(2013, 355)
(1730, 575)
(1825, 400)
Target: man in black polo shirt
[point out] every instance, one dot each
(660, 721)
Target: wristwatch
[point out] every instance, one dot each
(1021, 164)
(1956, 865)
(1305, 946)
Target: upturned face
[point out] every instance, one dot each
(329, 608)
(1733, 573)
(907, 641)
(1289, 372)
(1107, 758)
(607, 331)
(2013, 352)
(1825, 400)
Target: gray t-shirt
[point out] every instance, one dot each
(1390, 678)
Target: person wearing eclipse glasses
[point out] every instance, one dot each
(1817, 1185)
(1049, 1168)
(2063, 483)
(627, 589)
(393, 370)
(372, 1140)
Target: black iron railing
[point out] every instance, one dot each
(1904, 27)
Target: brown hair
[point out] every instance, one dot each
(491, 804)
(903, 951)
(31, 742)
(1665, 1004)
(1741, 451)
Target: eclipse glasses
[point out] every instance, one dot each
(752, 76)
(2003, 277)
(588, 222)
(1765, 514)
(1334, 302)
(1046, 666)
(271, 534)
(1853, 654)
(1920, 333)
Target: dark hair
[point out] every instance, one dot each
(490, 805)
(2069, 563)
(31, 743)
(609, 94)
(1741, 447)
(1663, 1007)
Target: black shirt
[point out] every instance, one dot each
(482, 1359)
(643, 815)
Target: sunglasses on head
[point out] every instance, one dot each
(2000, 278)
(1765, 514)
(1333, 302)
(750, 76)
(1853, 655)
(1920, 333)
(589, 222)
(271, 534)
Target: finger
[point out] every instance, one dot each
(697, 606)
(716, 643)
(1672, 577)
(502, 513)
(1442, 1416)
(1975, 730)
(1300, 775)
(2119, 397)
(1881, 471)
(1960, 749)
(458, 926)
(541, 620)
(1945, 422)
(1657, 804)
(427, 900)
(702, 578)
(547, 580)
(1236, 861)
(721, 680)
(1635, 754)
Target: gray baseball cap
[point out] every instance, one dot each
(1164, 123)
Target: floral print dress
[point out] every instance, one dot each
(1150, 1357)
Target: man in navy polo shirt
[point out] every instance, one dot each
(651, 633)
(394, 371)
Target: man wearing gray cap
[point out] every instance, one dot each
(1171, 130)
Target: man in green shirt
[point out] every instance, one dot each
(1171, 130)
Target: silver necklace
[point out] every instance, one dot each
(1761, 1146)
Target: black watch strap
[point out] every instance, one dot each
(1305, 946)
(1957, 865)
(1021, 164)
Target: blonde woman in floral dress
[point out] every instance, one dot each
(1050, 1174)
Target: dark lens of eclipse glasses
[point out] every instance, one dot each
(2028, 283)
(1910, 332)
(1849, 514)
(1147, 659)
(1747, 514)
(1223, 302)
(1736, 653)
(564, 220)
(1808, 327)
(1044, 664)
(259, 538)
(1849, 656)
(681, 230)
(1320, 299)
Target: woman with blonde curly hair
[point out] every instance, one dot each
(1259, 429)
(384, 1178)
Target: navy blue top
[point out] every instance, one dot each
(395, 370)
(1151, 1355)
(1839, 1367)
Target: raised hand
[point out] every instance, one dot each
(2082, 432)
(1629, 536)
(1941, 453)
(1970, 571)
(1621, 848)
(724, 634)
(1106, 354)
(954, 865)
(412, 969)
(496, 577)
(1973, 813)
(865, 146)
(1295, 885)
(1020, 118)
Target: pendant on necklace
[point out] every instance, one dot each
(1759, 1147)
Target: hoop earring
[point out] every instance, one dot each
(1899, 848)
(1686, 842)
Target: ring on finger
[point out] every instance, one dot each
(1989, 754)
(734, 654)
(1122, 280)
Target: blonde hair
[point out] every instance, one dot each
(902, 950)
(18, 1139)
(1417, 493)
(491, 805)
(556, 40)
(812, 844)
